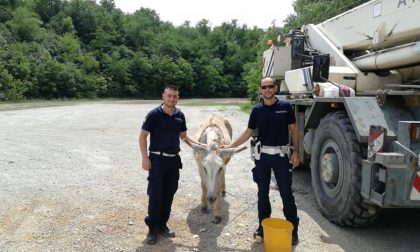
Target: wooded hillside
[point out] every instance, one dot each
(52, 49)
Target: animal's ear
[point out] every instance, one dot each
(231, 151)
(199, 148)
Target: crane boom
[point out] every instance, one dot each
(374, 25)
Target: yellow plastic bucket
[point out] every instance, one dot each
(277, 235)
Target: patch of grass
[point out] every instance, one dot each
(244, 104)
(246, 107)
(29, 104)
(210, 103)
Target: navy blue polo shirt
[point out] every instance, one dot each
(272, 122)
(164, 130)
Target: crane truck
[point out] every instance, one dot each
(362, 149)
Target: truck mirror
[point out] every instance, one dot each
(321, 68)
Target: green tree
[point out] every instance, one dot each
(62, 24)
(141, 70)
(86, 16)
(86, 48)
(108, 5)
(47, 9)
(141, 28)
(25, 24)
(69, 49)
(6, 9)
(10, 88)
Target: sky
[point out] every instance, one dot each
(249, 12)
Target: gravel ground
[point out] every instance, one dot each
(70, 180)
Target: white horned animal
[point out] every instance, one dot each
(212, 160)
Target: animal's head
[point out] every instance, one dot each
(213, 165)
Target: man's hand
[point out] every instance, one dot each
(146, 164)
(295, 161)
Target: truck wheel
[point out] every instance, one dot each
(336, 172)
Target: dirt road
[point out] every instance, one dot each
(70, 180)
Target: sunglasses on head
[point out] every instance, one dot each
(267, 86)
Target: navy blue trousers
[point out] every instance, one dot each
(283, 173)
(163, 183)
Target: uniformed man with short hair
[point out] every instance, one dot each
(166, 125)
(273, 119)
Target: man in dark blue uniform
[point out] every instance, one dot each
(166, 125)
(273, 119)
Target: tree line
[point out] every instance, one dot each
(54, 49)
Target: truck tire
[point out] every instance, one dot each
(336, 172)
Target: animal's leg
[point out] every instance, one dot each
(203, 198)
(216, 211)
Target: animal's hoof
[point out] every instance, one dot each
(223, 193)
(217, 219)
(204, 210)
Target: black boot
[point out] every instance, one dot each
(153, 232)
(152, 236)
(259, 234)
(295, 237)
(166, 232)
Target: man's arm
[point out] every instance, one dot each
(295, 140)
(187, 139)
(241, 139)
(146, 165)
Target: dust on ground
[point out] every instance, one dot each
(70, 180)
